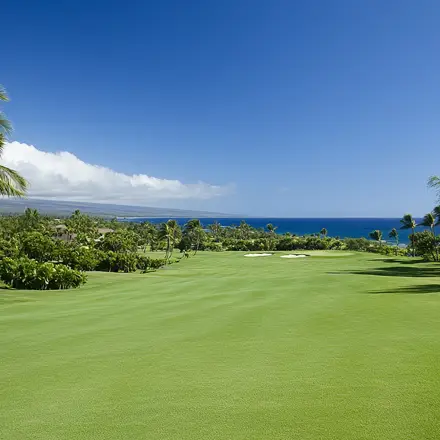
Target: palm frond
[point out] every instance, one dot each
(436, 212)
(2, 143)
(428, 220)
(3, 94)
(393, 233)
(407, 222)
(12, 184)
(5, 124)
(434, 182)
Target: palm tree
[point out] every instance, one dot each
(11, 183)
(394, 235)
(408, 222)
(434, 182)
(166, 233)
(271, 228)
(194, 231)
(430, 221)
(215, 228)
(376, 235)
(324, 232)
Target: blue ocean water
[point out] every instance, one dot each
(336, 227)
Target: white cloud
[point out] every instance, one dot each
(63, 176)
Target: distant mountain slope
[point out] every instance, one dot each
(61, 208)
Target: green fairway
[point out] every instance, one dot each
(225, 347)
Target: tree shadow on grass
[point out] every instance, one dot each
(399, 271)
(396, 260)
(10, 299)
(422, 289)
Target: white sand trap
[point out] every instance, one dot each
(293, 256)
(258, 255)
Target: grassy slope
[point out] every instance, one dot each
(226, 347)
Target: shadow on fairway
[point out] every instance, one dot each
(417, 290)
(398, 271)
(10, 299)
(395, 260)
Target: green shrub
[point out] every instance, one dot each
(37, 246)
(9, 248)
(118, 262)
(211, 246)
(79, 257)
(25, 273)
(145, 263)
(425, 244)
(119, 241)
(357, 244)
(156, 263)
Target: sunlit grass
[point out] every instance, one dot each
(225, 347)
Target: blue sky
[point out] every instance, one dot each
(282, 108)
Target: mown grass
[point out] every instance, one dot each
(225, 347)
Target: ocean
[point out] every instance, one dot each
(336, 227)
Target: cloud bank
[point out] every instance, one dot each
(63, 176)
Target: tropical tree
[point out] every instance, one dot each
(324, 232)
(271, 228)
(169, 231)
(430, 221)
(376, 235)
(395, 236)
(244, 230)
(434, 183)
(148, 234)
(12, 184)
(408, 222)
(215, 228)
(195, 233)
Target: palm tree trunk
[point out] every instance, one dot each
(414, 242)
(435, 244)
(167, 254)
(197, 247)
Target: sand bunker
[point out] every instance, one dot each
(294, 256)
(258, 255)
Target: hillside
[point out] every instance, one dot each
(63, 208)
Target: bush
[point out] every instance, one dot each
(9, 248)
(79, 257)
(157, 263)
(38, 246)
(425, 245)
(123, 241)
(24, 273)
(118, 262)
(211, 246)
(357, 244)
(145, 263)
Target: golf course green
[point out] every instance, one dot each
(220, 346)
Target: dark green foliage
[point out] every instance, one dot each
(119, 241)
(358, 244)
(9, 248)
(156, 263)
(38, 246)
(425, 245)
(377, 236)
(146, 264)
(79, 257)
(118, 262)
(25, 273)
